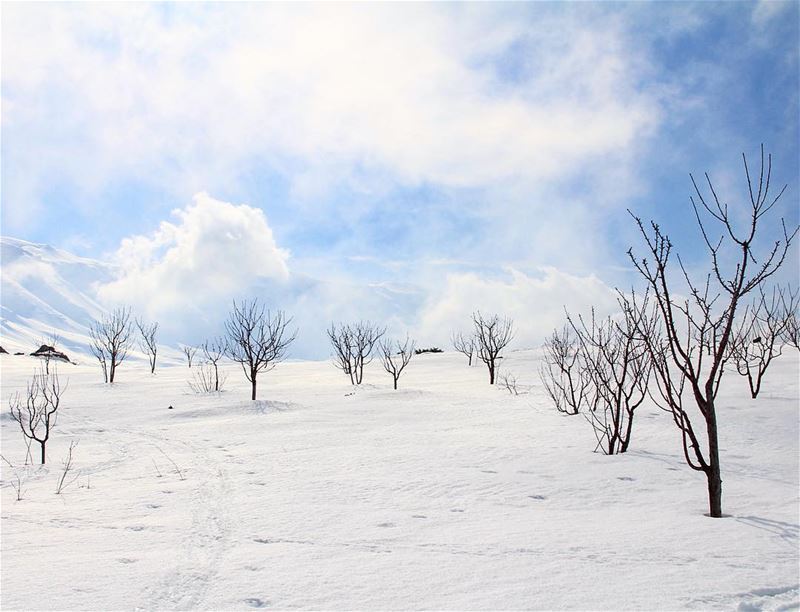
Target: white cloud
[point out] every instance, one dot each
(179, 94)
(212, 253)
(535, 304)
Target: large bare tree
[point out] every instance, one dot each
(693, 345)
(353, 345)
(111, 339)
(395, 357)
(36, 415)
(492, 335)
(147, 342)
(257, 338)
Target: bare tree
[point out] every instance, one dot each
(206, 379)
(693, 346)
(213, 351)
(790, 302)
(492, 335)
(111, 338)
(395, 357)
(50, 341)
(617, 364)
(757, 339)
(98, 349)
(63, 483)
(464, 345)
(257, 339)
(509, 382)
(36, 415)
(564, 376)
(148, 343)
(190, 352)
(353, 345)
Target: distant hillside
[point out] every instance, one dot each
(45, 289)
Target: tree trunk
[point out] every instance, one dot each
(253, 382)
(112, 370)
(491, 373)
(713, 474)
(42, 445)
(216, 377)
(395, 384)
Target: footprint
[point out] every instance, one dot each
(538, 497)
(263, 540)
(136, 528)
(456, 509)
(626, 478)
(167, 492)
(126, 560)
(255, 602)
(419, 516)
(385, 524)
(488, 471)
(153, 506)
(251, 568)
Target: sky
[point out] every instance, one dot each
(407, 163)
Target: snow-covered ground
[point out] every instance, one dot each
(446, 494)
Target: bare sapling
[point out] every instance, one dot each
(757, 339)
(65, 479)
(509, 382)
(110, 340)
(189, 352)
(492, 335)
(617, 365)
(464, 345)
(696, 331)
(257, 339)
(213, 352)
(354, 345)
(789, 301)
(206, 379)
(395, 357)
(147, 342)
(564, 374)
(36, 414)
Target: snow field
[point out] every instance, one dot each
(446, 494)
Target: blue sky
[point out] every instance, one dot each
(421, 149)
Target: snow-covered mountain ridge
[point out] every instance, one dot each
(45, 289)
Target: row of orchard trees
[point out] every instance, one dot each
(255, 338)
(673, 341)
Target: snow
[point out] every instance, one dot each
(445, 494)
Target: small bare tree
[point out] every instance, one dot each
(37, 414)
(757, 339)
(564, 375)
(395, 357)
(206, 379)
(257, 339)
(790, 302)
(111, 338)
(190, 352)
(147, 342)
(50, 340)
(693, 346)
(353, 345)
(617, 364)
(63, 483)
(492, 335)
(464, 345)
(213, 352)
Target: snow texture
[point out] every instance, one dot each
(445, 494)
